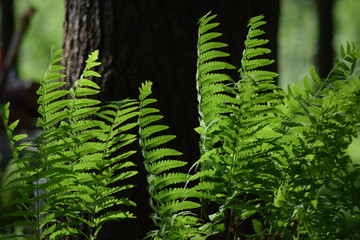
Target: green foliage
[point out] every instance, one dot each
(279, 158)
(69, 170)
(210, 84)
(236, 160)
(169, 199)
(272, 165)
(320, 118)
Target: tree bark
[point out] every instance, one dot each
(155, 40)
(7, 20)
(7, 31)
(325, 59)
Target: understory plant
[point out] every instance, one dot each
(273, 164)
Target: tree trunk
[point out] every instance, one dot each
(155, 40)
(325, 58)
(7, 20)
(7, 31)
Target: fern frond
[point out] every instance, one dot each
(166, 199)
(24, 179)
(253, 49)
(210, 82)
(50, 94)
(112, 136)
(76, 158)
(150, 144)
(347, 64)
(237, 135)
(315, 131)
(14, 140)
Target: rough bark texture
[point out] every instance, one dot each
(155, 40)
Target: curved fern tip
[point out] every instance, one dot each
(207, 15)
(93, 56)
(145, 89)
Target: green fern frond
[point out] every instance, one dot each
(51, 107)
(111, 137)
(167, 199)
(14, 140)
(24, 178)
(316, 130)
(76, 157)
(253, 49)
(238, 139)
(150, 144)
(210, 82)
(347, 64)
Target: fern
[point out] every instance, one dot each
(270, 159)
(210, 83)
(169, 200)
(29, 164)
(240, 140)
(16, 179)
(109, 167)
(212, 92)
(77, 158)
(317, 130)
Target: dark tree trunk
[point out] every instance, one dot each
(7, 30)
(155, 40)
(7, 23)
(326, 53)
